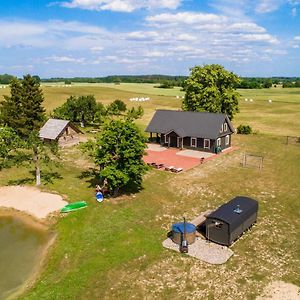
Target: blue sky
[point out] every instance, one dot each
(106, 37)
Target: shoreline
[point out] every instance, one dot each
(31, 201)
(40, 210)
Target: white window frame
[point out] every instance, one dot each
(227, 140)
(218, 142)
(195, 140)
(208, 140)
(225, 127)
(221, 128)
(166, 139)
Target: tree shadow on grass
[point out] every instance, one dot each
(22, 181)
(91, 176)
(46, 178)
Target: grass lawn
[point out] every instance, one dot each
(113, 250)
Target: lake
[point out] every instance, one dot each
(21, 249)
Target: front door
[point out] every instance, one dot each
(179, 142)
(173, 141)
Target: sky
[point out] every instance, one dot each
(94, 38)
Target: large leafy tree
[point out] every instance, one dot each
(22, 111)
(83, 109)
(211, 88)
(119, 151)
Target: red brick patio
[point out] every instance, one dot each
(169, 158)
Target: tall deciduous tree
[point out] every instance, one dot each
(119, 151)
(83, 109)
(211, 88)
(23, 112)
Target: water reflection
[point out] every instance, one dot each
(21, 247)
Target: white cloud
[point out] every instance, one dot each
(142, 35)
(297, 38)
(294, 12)
(190, 18)
(245, 27)
(121, 5)
(96, 49)
(267, 6)
(65, 59)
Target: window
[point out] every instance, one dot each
(166, 139)
(221, 128)
(218, 142)
(218, 225)
(206, 143)
(193, 142)
(227, 140)
(225, 127)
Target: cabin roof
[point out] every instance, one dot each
(53, 128)
(188, 123)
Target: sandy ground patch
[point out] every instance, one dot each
(195, 153)
(206, 251)
(30, 200)
(279, 290)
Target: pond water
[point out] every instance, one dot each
(21, 248)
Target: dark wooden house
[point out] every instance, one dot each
(63, 132)
(230, 220)
(203, 131)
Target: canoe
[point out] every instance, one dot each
(99, 197)
(73, 206)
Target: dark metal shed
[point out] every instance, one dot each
(230, 220)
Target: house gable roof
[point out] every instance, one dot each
(188, 123)
(53, 128)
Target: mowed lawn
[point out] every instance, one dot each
(113, 250)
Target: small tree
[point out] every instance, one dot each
(135, 113)
(116, 107)
(119, 151)
(211, 88)
(244, 129)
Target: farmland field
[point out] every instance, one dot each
(113, 250)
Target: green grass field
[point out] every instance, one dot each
(113, 250)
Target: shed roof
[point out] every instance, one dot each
(236, 211)
(53, 128)
(188, 123)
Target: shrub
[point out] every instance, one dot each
(244, 129)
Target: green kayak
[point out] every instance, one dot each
(73, 206)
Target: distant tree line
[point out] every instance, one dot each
(166, 81)
(117, 79)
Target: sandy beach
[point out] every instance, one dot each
(30, 200)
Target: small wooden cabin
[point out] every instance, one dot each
(230, 220)
(209, 132)
(63, 132)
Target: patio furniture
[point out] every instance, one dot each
(159, 166)
(170, 168)
(177, 170)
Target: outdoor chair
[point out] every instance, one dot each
(177, 170)
(170, 168)
(159, 166)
